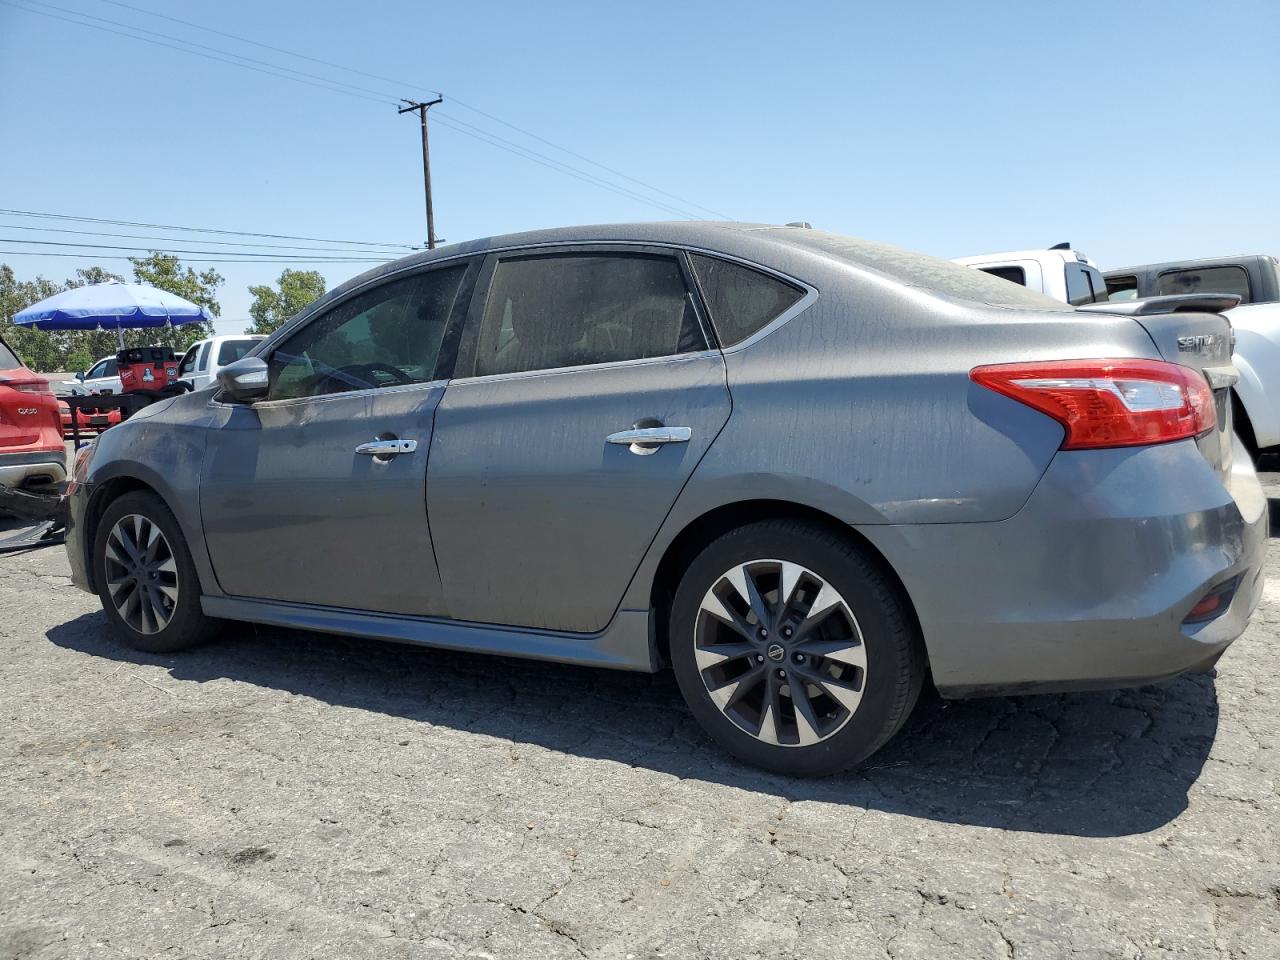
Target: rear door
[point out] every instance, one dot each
(544, 488)
(317, 494)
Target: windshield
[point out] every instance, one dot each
(920, 270)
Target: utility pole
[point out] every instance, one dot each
(422, 109)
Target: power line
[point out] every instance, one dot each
(220, 232)
(110, 256)
(401, 83)
(121, 246)
(207, 56)
(220, 243)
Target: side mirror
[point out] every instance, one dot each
(245, 380)
(80, 377)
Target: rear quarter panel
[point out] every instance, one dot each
(862, 407)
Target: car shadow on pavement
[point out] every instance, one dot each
(1085, 764)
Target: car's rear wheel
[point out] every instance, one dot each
(145, 577)
(793, 647)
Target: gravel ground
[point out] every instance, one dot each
(289, 795)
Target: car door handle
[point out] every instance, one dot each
(646, 440)
(386, 449)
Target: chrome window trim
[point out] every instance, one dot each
(215, 400)
(610, 365)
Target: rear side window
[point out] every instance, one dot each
(233, 350)
(1207, 280)
(1012, 274)
(8, 360)
(568, 310)
(1122, 288)
(742, 301)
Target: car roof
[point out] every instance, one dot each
(1190, 264)
(1063, 255)
(779, 247)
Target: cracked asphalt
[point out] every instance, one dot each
(290, 795)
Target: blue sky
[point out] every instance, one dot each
(1137, 131)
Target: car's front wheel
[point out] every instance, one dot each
(793, 647)
(145, 577)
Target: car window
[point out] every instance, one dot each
(566, 310)
(8, 359)
(188, 361)
(384, 337)
(741, 300)
(1122, 288)
(1012, 274)
(233, 350)
(97, 370)
(1206, 280)
(1079, 290)
(203, 365)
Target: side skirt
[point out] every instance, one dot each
(627, 643)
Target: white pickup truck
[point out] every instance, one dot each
(1068, 275)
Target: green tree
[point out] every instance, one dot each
(38, 349)
(272, 307)
(164, 271)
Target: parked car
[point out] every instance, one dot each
(102, 377)
(1256, 322)
(201, 363)
(31, 449)
(1059, 272)
(805, 471)
(91, 419)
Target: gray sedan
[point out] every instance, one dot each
(807, 472)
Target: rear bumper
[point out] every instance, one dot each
(20, 470)
(77, 503)
(1088, 586)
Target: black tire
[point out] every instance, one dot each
(187, 625)
(893, 650)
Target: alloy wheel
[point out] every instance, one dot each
(141, 574)
(780, 652)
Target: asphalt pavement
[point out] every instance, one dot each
(289, 795)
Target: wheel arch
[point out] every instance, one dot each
(707, 527)
(104, 494)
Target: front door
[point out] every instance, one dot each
(544, 488)
(317, 494)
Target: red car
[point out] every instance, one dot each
(92, 419)
(31, 448)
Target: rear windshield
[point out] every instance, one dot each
(233, 350)
(919, 270)
(8, 359)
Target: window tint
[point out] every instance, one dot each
(1012, 274)
(1122, 288)
(1079, 290)
(384, 337)
(741, 300)
(566, 310)
(8, 359)
(1208, 280)
(233, 350)
(188, 361)
(203, 365)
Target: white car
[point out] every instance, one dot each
(1255, 279)
(102, 377)
(1059, 272)
(201, 363)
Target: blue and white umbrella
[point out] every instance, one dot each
(111, 306)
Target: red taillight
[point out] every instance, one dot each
(1109, 403)
(27, 386)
